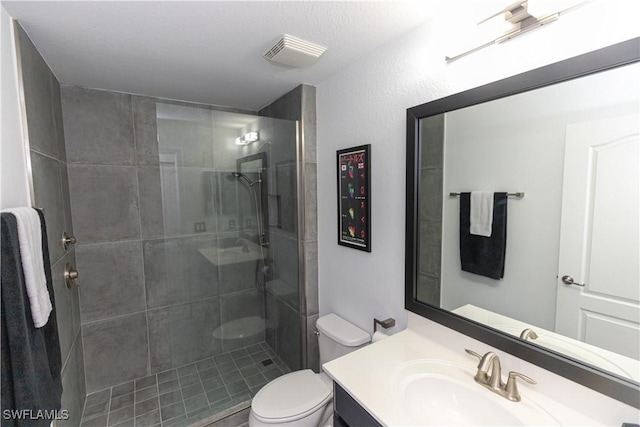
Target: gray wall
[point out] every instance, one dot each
(430, 233)
(299, 104)
(149, 300)
(46, 138)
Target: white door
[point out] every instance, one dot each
(600, 235)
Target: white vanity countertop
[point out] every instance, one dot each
(367, 375)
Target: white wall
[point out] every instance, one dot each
(14, 190)
(367, 102)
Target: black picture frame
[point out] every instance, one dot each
(354, 197)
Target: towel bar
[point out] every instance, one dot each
(519, 194)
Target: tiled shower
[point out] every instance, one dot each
(171, 324)
(168, 248)
(212, 387)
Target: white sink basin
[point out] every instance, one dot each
(434, 392)
(232, 255)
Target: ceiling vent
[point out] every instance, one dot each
(294, 52)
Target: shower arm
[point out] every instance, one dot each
(262, 236)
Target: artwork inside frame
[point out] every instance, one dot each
(354, 197)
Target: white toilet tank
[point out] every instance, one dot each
(338, 337)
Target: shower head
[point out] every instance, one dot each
(262, 144)
(239, 175)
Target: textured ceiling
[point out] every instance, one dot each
(206, 51)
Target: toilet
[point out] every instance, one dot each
(304, 398)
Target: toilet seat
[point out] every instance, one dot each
(291, 397)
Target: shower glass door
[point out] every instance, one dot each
(221, 260)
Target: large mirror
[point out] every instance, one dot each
(555, 278)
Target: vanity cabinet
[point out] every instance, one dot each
(347, 412)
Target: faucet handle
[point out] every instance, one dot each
(511, 388)
(473, 353)
(528, 334)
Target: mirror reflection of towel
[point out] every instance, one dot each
(481, 255)
(481, 213)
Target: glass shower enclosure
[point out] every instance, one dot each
(223, 270)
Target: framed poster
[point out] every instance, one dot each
(354, 200)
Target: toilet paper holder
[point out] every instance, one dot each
(386, 323)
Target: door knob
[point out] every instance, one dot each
(70, 276)
(568, 280)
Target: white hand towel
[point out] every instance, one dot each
(30, 237)
(481, 213)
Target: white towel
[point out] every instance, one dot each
(30, 237)
(481, 213)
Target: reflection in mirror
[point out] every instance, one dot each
(573, 149)
(207, 202)
(615, 363)
(571, 250)
(430, 209)
(286, 195)
(252, 196)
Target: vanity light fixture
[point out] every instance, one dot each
(520, 18)
(251, 136)
(248, 138)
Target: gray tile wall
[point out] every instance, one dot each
(430, 237)
(299, 104)
(150, 300)
(46, 136)
(104, 204)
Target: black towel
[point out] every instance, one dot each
(31, 359)
(484, 255)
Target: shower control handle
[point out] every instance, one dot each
(70, 276)
(67, 241)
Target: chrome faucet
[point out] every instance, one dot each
(244, 243)
(528, 334)
(489, 376)
(489, 372)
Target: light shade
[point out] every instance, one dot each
(543, 8)
(248, 138)
(251, 136)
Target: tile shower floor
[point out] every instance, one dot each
(186, 395)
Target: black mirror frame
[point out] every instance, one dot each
(607, 58)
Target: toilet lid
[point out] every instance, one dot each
(293, 395)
